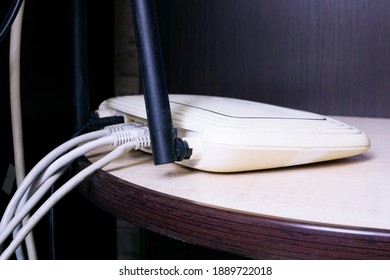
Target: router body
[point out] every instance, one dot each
(232, 135)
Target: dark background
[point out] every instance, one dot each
(49, 113)
(326, 56)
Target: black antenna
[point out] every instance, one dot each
(80, 63)
(154, 82)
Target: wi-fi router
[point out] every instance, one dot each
(231, 135)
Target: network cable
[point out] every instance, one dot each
(67, 187)
(57, 156)
(126, 132)
(16, 113)
(40, 167)
(44, 174)
(43, 164)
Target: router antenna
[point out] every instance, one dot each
(154, 82)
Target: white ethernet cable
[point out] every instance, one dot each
(67, 187)
(109, 136)
(40, 166)
(15, 222)
(16, 113)
(41, 187)
(14, 80)
(22, 212)
(23, 192)
(46, 161)
(119, 134)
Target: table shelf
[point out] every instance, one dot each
(332, 210)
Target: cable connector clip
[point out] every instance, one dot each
(183, 151)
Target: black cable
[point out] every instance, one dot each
(80, 62)
(9, 18)
(96, 123)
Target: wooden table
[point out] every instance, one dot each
(332, 210)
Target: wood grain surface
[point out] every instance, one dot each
(330, 57)
(333, 210)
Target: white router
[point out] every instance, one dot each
(232, 135)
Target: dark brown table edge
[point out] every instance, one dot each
(253, 236)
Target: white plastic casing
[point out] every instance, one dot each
(230, 135)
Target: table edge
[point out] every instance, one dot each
(253, 236)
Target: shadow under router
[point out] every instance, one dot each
(231, 135)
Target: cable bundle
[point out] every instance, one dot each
(125, 137)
